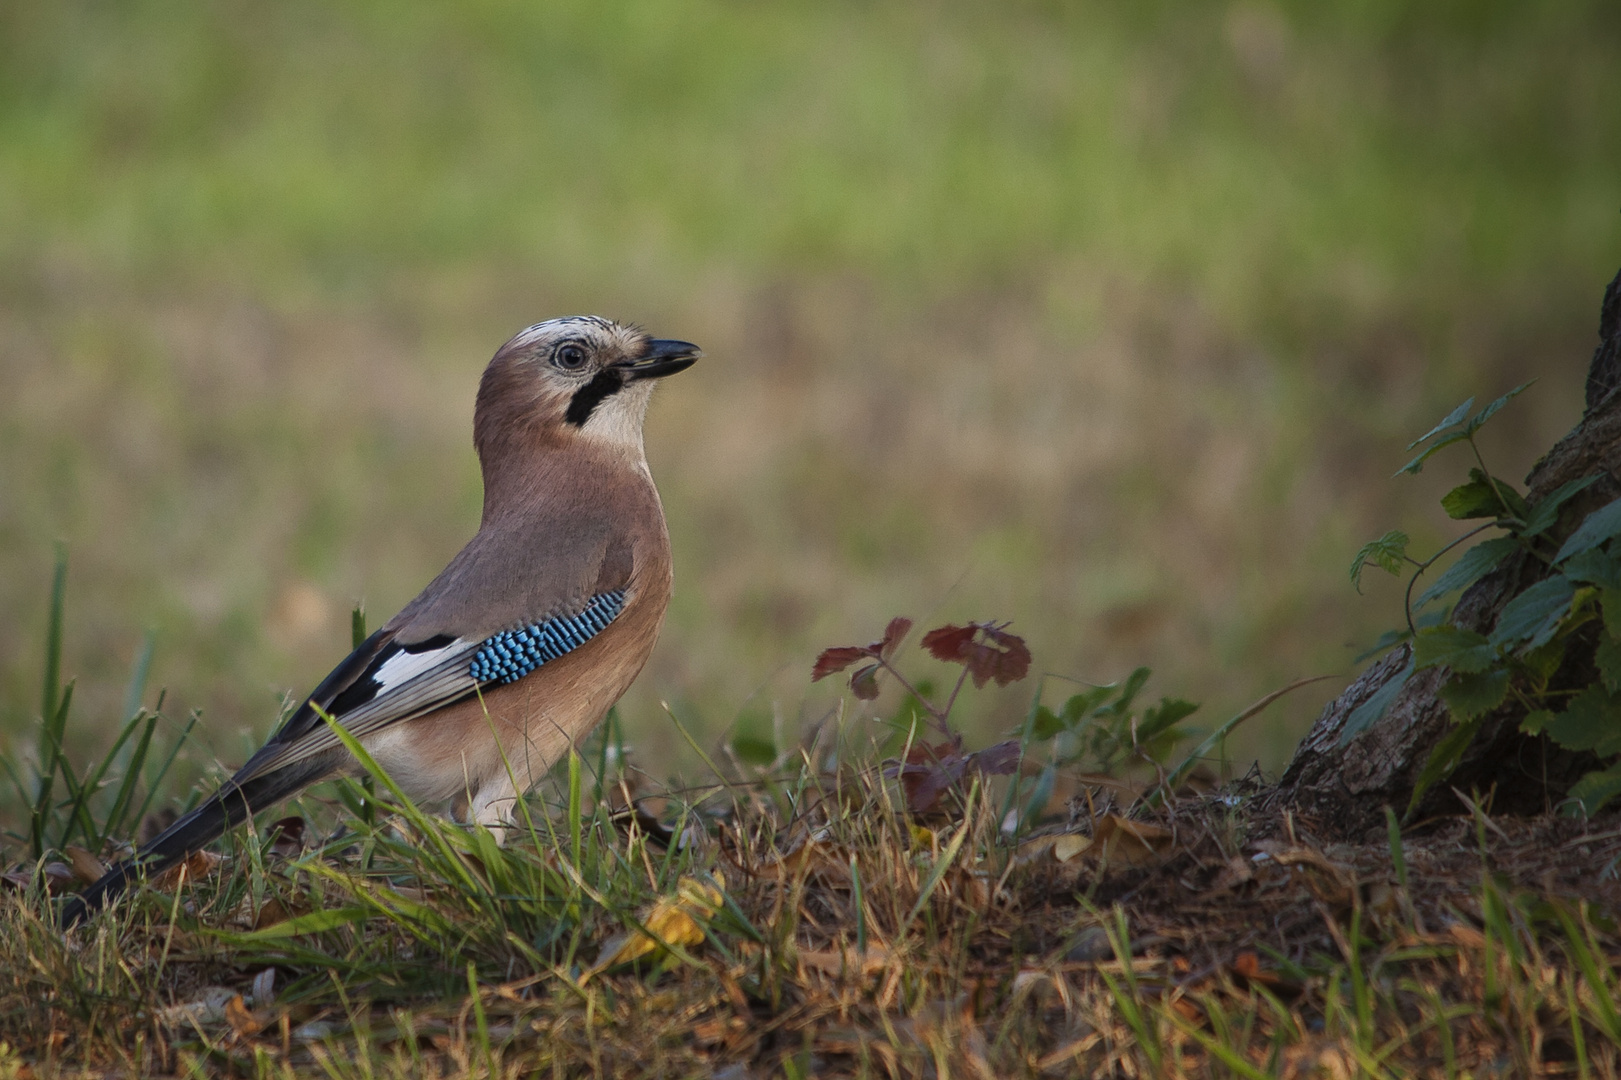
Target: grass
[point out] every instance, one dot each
(413, 948)
(798, 918)
(1112, 321)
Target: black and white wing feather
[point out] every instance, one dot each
(401, 682)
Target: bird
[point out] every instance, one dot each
(533, 630)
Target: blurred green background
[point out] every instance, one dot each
(1110, 319)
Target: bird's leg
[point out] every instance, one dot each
(492, 805)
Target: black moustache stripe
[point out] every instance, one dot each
(605, 384)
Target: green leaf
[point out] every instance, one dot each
(1482, 497)
(1369, 712)
(1387, 640)
(1417, 464)
(1083, 703)
(1491, 410)
(1476, 499)
(1608, 658)
(1595, 529)
(1471, 566)
(1443, 759)
(1595, 566)
(1541, 662)
(1610, 603)
(1387, 553)
(1047, 723)
(1134, 682)
(1453, 419)
(1595, 789)
(1470, 696)
(1535, 613)
(753, 749)
(1591, 721)
(1545, 513)
(1167, 714)
(1535, 723)
(1448, 646)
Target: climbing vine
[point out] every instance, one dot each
(1579, 582)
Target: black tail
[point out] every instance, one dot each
(228, 807)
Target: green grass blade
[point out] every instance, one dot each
(51, 692)
(947, 856)
(51, 762)
(139, 672)
(125, 797)
(152, 782)
(575, 847)
(451, 859)
(1173, 780)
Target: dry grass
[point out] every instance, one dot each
(1210, 939)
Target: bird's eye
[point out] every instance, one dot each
(569, 357)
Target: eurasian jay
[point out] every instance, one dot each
(536, 627)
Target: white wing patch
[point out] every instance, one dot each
(402, 667)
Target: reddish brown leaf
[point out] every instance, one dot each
(289, 837)
(949, 642)
(929, 772)
(893, 633)
(923, 752)
(998, 760)
(924, 784)
(864, 683)
(1014, 661)
(836, 659)
(1001, 656)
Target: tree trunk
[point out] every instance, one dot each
(1341, 791)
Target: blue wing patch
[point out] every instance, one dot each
(512, 654)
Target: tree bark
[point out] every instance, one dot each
(1341, 791)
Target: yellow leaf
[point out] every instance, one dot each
(1131, 843)
(1069, 845)
(921, 837)
(677, 920)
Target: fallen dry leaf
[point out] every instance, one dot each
(1235, 872)
(243, 1021)
(1334, 883)
(272, 912)
(834, 962)
(672, 920)
(197, 865)
(1122, 842)
(206, 1008)
(57, 878)
(86, 867)
(1069, 845)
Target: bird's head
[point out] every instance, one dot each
(580, 377)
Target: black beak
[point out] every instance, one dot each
(662, 358)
